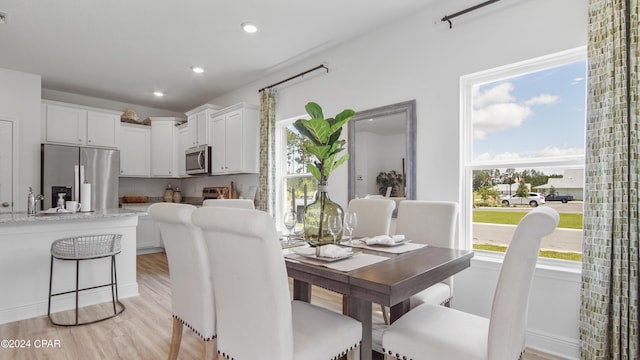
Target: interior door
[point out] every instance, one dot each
(6, 166)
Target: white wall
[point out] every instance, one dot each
(20, 99)
(421, 58)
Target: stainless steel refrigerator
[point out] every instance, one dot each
(65, 168)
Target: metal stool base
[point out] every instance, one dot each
(113, 285)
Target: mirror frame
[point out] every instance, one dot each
(409, 109)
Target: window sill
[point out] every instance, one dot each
(551, 268)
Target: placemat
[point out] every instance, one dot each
(399, 249)
(357, 261)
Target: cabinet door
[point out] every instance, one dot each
(163, 148)
(66, 125)
(218, 147)
(201, 122)
(135, 147)
(102, 129)
(234, 142)
(192, 130)
(183, 144)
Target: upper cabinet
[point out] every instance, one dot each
(234, 140)
(164, 146)
(197, 124)
(82, 126)
(183, 144)
(135, 150)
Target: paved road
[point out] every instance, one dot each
(561, 239)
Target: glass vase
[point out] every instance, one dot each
(316, 228)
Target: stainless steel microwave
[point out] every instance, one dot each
(198, 160)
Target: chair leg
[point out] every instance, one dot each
(385, 314)
(354, 354)
(205, 350)
(389, 357)
(214, 346)
(176, 338)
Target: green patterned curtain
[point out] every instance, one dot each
(266, 179)
(609, 309)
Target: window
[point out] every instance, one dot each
(523, 139)
(295, 186)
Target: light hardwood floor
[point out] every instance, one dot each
(142, 331)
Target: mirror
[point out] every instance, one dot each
(383, 140)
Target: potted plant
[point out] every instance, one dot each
(386, 179)
(324, 146)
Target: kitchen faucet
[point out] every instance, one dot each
(32, 200)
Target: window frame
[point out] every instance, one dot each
(468, 165)
(281, 169)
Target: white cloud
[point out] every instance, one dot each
(542, 100)
(495, 109)
(498, 117)
(496, 95)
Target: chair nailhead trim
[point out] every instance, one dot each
(193, 329)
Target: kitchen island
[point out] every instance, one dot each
(25, 253)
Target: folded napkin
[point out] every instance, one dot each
(334, 251)
(384, 239)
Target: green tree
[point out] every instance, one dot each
(487, 192)
(523, 190)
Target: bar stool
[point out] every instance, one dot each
(88, 247)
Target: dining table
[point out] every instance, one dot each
(390, 281)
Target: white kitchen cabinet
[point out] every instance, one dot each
(103, 129)
(163, 147)
(183, 144)
(197, 124)
(135, 150)
(148, 238)
(148, 235)
(235, 140)
(81, 126)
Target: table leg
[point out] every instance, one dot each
(301, 291)
(361, 310)
(398, 310)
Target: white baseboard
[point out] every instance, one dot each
(562, 347)
(66, 302)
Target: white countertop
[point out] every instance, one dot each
(22, 217)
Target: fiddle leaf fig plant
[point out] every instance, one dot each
(325, 144)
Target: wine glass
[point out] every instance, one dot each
(350, 223)
(335, 225)
(289, 219)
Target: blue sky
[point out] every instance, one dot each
(535, 115)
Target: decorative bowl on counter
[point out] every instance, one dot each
(135, 199)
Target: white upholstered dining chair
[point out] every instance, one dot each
(192, 302)
(437, 332)
(432, 223)
(374, 216)
(246, 259)
(233, 203)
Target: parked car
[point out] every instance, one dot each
(556, 197)
(534, 199)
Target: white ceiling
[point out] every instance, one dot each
(124, 50)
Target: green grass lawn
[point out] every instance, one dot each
(571, 256)
(567, 220)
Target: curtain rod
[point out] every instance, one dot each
(461, 12)
(294, 76)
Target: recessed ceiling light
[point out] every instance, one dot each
(158, 93)
(197, 69)
(249, 27)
